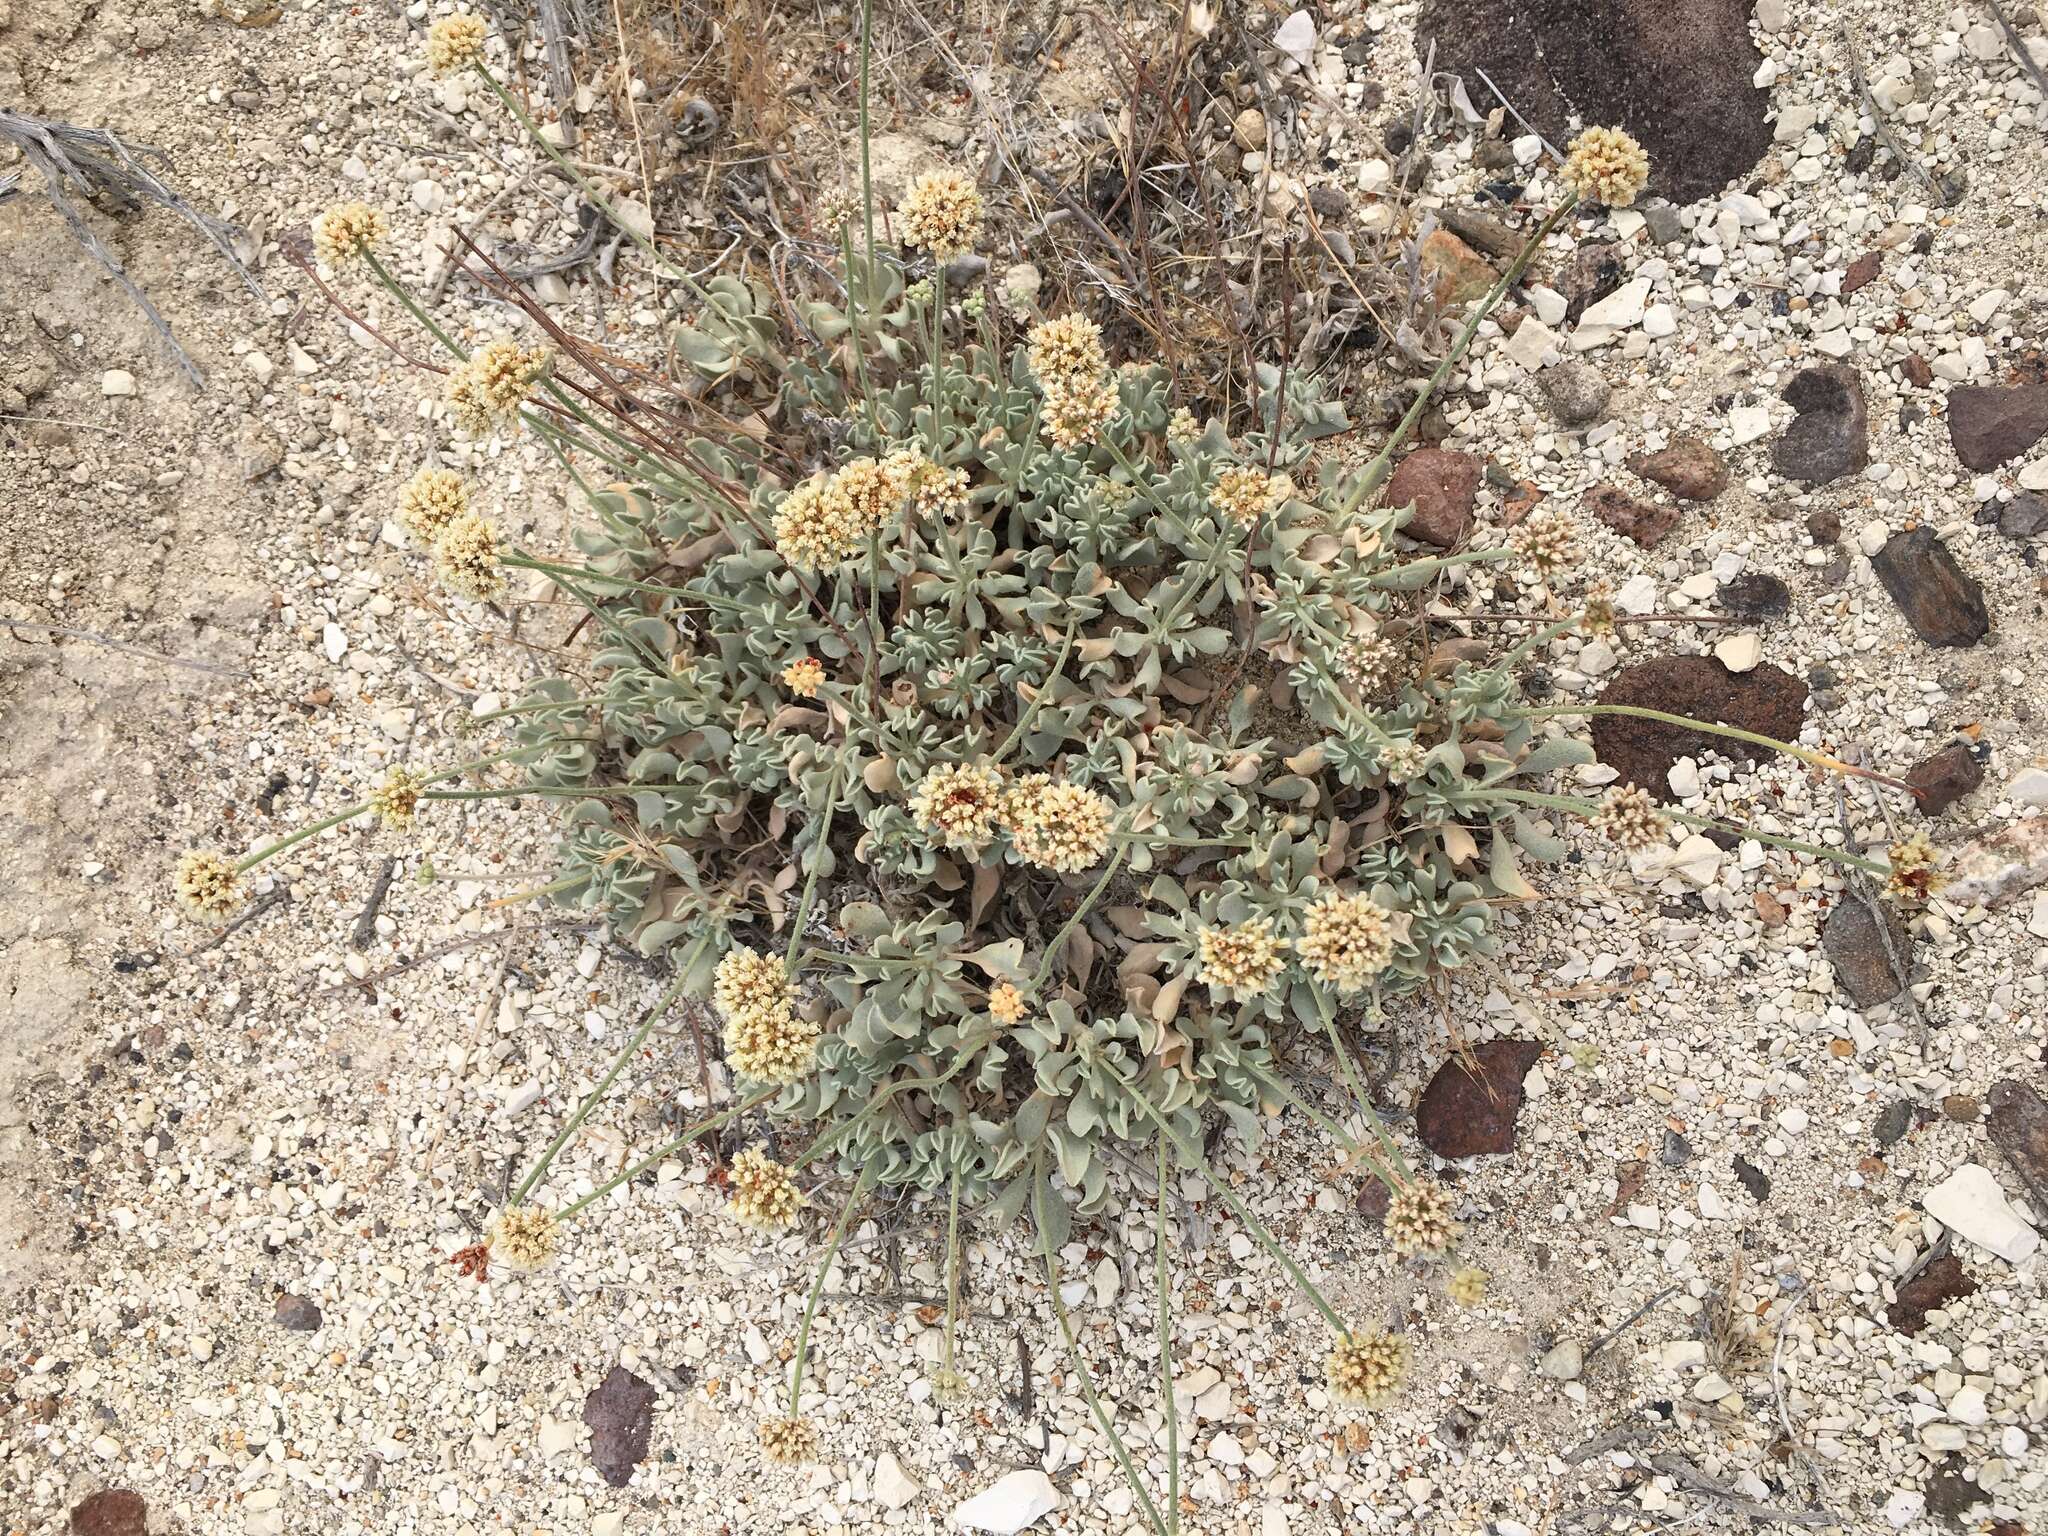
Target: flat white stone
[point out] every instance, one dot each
(894, 1487)
(1970, 1202)
(1620, 309)
(1748, 424)
(1011, 1505)
(117, 381)
(1740, 653)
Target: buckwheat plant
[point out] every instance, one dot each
(1027, 770)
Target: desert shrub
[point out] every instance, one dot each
(1023, 767)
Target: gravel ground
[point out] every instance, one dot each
(235, 1167)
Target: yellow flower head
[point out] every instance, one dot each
(959, 803)
(1076, 410)
(1345, 940)
(1597, 617)
(1007, 1003)
(489, 388)
(941, 215)
(431, 500)
(791, 1441)
(1913, 876)
(1607, 164)
(1546, 541)
(763, 1193)
(455, 42)
(1419, 1218)
(466, 557)
(1468, 1286)
(1182, 428)
(804, 677)
(1245, 959)
(1366, 1368)
(1064, 349)
(746, 979)
(208, 886)
(345, 231)
(1245, 494)
(815, 526)
(523, 1237)
(1057, 826)
(1629, 819)
(397, 797)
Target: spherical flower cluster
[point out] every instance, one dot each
(1546, 541)
(1913, 876)
(1467, 1287)
(1597, 615)
(345, 231)
(397, 797)
(765, 1038)
(488, 389)
(1607, 164)
(1419, 1219)
(208, 886)
(763, 1194)
(1181, 427)
(454, 42)
(1245, 959)
(829, 518)
(1628, 818)
(1064, 349)
(1061, 827)
(1006, 1003)
(933, 491)
(1244, 494)
(1364, 1369)
(804, 677)
(466, 558)
(1077, 410)
(941, 215)
(959, 803)
(431, 500)
(791, 1441)
(1345, 940)
(1370, 662)
(523, 1237)
(1401, 760)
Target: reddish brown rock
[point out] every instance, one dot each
(1918, 373)
(2018, 1123)
(1442, 483)
(1943, 1281)
(1943, 604)
(620, 1413)
(1945, 777)
(1991, 423)
(1460, 1115)
(1643, 521)
(1767, 700)
(1856, 949)
(1457, 274)
(111, 1512)
(1862, 272)
(1687, 468)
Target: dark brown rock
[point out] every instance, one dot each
(1462, 1115)
(1687, 468)
(1442, 483)
(1990, 423)
(297, 1314)
(1862, 272)
(1751, 1178)
(1943, 1281)
(1862, 968)
(1677, 77)
(620, 1413)
(2018, 1124)
(1768, 700)
(1830, 437)
(111, 1512)
(1952, 1494)
(1918, 373)
(1643, 521)
(1944, 606)
(1945, 777)
(1373, 1200)
(1755, 595)
(1824, 526)
(2024, 517)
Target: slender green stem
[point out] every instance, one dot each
(1059, 1308)
(397, 291)
(1575, 806)
(803, 1335)
(618, 631)
(963, 1053)
(1402, 578)
(1538, 640)
(1164, 1282)
(633, 1043)
(816, 860)
(1038, 699)
(1337, 1133)
(1059, 941)
(668, 1149)
(1192, 1157)
(1710, 728)
(1357, 1086)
